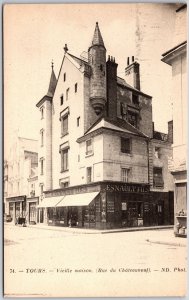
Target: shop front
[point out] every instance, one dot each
(106, 205)
(17, 207)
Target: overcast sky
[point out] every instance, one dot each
(36, 34)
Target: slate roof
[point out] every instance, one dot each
(78, 60)
(118, 125)
(97, 37)
(123, 83)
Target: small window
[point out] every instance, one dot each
(135, 99)
(67, 93)
(125, 145)
(78, 121)
(125, 174)
(157, 152)
(89, 174)
(75, 87)
(64, 76)
(41, 189)
(101, 67)
(89, 147)
(61, 100)
(64, 125)
(123, 109)
(64, 183)
(158, 177)
(64, 159)
(42, 112)
(133, 118)
(42, 137)
(42, 165)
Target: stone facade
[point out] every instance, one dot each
(99, 129)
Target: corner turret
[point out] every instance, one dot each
(97, 61)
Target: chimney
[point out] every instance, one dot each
(132, 73)
(111, 71)
(170, 132)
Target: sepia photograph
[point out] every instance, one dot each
(95, 150)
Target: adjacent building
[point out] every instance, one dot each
(101, 163)
(176, 58)
(21, 164)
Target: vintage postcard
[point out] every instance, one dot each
(95, 177)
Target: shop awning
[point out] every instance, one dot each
(77, 199)
(50, 202)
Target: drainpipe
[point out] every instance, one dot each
(147, 142)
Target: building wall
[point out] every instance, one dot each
(179, 77)
(145, 109)
(114, 160)
(19, 167)
(165, 154)
(95, 161)
(75, 104)
(45, 151)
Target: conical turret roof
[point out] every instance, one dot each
(97, 38)
(52, 84)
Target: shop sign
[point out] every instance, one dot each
(110, 205)
(128, 188)
(16, 199)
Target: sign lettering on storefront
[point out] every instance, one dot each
(132, 188)
(78, 190)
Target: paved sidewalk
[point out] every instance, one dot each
(92, 231)
(166, 238)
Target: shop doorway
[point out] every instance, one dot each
(132, 214)
(160, 213)
(72, 216)
(32, 212)
(41, 215)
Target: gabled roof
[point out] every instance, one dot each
(78, 60)
(123, 83)
(116, 125)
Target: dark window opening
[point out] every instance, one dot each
(125, 145)
(67, 93)
(61, 100)
(133, 119)
(75, 87)
(64, 76)
(78, 120)
(158, 177)
(135, 99)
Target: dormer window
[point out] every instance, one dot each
(133, 118)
